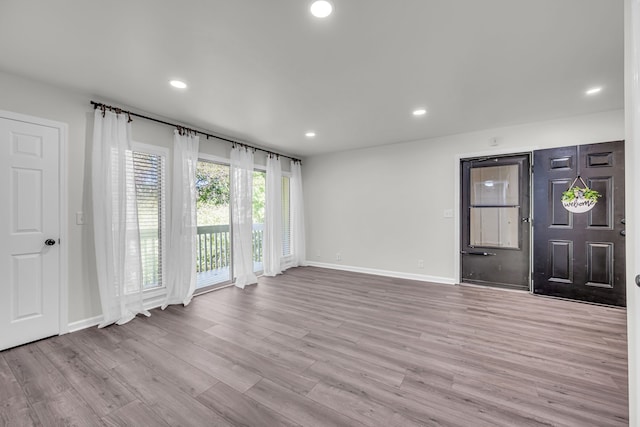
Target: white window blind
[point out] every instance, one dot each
(286, 218)
(149, 171)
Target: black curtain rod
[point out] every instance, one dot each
(242, 144)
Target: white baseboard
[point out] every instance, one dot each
(386, 273)
(84, 324)
(149, 304)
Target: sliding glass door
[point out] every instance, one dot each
(214, 245)
(214, 231)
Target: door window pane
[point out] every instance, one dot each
(213, 252)
(495, 185)
(494, 227)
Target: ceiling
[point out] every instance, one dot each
(266, 71)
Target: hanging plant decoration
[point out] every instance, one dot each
(579, 199)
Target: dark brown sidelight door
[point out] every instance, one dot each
(580, 256)
(495, 221)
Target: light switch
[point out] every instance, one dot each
(79, 218)
(448, 213)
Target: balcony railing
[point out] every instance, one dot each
(214, 246)
(213, 254)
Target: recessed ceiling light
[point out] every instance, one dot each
(594, 90)
(310, 134)
(179, 84)
(419, 112)
(321, 8)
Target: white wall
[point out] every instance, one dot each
(382, 208)
(73, 108)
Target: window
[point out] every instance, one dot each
(149, 173)
(286, 217)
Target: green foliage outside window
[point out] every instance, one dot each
(212, 185)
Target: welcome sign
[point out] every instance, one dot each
(579, 205)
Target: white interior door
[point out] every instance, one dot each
(29, 217)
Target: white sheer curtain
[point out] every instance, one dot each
(273, 218)
(298, 244)
(242, 215)
(115, 219)
(181, 254)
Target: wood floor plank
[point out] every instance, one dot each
(248, 316)
(292, 358)
(106, 352)
(317, 347)
(67, 408)
(260, 365)
(37, 376)
(541, 410)
(14, 406)
(173, 323)
(391, 375)
(300, 409)
(135, 413)
(209, 312)
(353, 404)
(189, 379)
(241, 410)
(94, 383)
(398, 399)
(145, 327)
(228, 372)
(164, 398)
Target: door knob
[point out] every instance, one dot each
(49, 242)
(638, 280)
(623, 232)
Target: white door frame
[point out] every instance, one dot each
(62, 129)
(456, 197)
(632, 157)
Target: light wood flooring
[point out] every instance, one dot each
(316, 347)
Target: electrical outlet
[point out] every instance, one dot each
(420, 263)
(338, 256)
(448, 213)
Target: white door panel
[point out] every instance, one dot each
(29, 215)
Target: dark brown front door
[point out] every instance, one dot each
(580, 256)
(495, 221)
